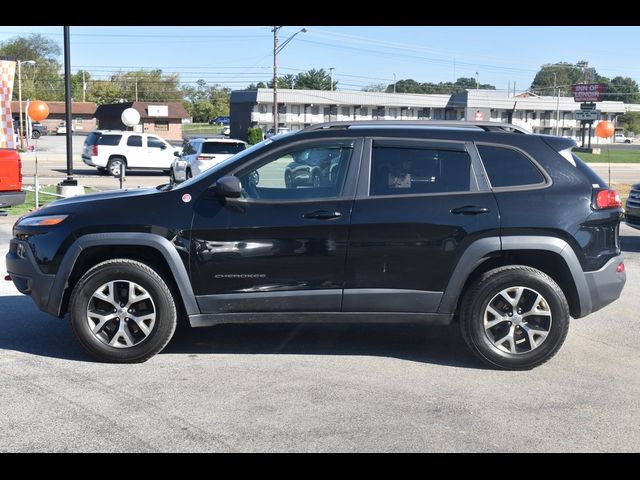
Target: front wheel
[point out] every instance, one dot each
(514, 318)
(122, 311)
(35, 134)
(115, 166)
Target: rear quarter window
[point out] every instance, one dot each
(109, 140)
(507, 167)
(222, 148)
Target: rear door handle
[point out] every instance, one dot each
(469, 210)
(322, 215)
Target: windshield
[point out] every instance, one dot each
(224, 163)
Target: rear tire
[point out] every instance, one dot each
(122, 311)
(35, 134)
(188, 174)
(115, 165)
(514, 317)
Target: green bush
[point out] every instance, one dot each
(254, 135)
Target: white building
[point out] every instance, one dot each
(301, 108)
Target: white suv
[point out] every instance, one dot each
(200, 154)
(110, 150)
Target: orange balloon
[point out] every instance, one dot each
(38, 110)
(604, 129)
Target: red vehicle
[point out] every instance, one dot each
(10, 178)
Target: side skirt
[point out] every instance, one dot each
(209, 319)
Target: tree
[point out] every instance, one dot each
(43, 80)
(255, 86)
(375, 87)
(150, 85)
(630, 121)
(623, 89)
(566, 74)
(202, 110)
(103, 91)
(314, 80)
(205, 101)
(462, 83)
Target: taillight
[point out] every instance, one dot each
(607, 199)
(94, 150)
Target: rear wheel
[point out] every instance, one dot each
(115, 166)
(188, 174)
(122, 311)
(514, 317)
(35, 134)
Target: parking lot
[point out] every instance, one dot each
(319, 387)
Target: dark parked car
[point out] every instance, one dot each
(507, 233)
(632, 208)
(220, 121)
(37, 129)
(312, 167)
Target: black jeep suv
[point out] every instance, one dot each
(505, 232)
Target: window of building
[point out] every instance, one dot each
(161, 125)
(282, 108)
(378, 113)
(263, 108)
(393, 112)
(315, 110)
(407, 171)
(424, 113)
(134, 141)
(345, 111)
(78, 120)
(509, 168)
(314, 172)
(364, 111)
(295, 109)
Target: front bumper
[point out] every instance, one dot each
(605, 285)
(8, 199)
(27, 276)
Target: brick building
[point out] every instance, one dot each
(162, 119)
(82, 115)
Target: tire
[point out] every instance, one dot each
(35, 134)
(115, 166)
(115, 341)
(288, 180)
(172, 177)
(188, 174)
(519, 350)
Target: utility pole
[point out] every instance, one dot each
(84, 87)
(136, 78)
(275, 79)
(67, 100)
(394, 83)
(477, 81)
(331, 69)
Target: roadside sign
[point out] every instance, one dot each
(588, 92)
(587, 115)
(587, 106)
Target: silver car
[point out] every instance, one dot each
(200, 154)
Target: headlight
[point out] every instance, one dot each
(41, 221)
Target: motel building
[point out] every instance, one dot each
(301, 108)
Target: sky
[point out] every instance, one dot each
(360, 56)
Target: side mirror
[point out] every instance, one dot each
(163, 147)
(228, 187)
(176, 154)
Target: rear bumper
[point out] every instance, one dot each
(605, 285)
(8, 199)
(27, 276)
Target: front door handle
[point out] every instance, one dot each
(322, 215)
(469, 210)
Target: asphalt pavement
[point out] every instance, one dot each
(317, 388)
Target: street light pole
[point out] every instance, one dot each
(20, 128)
(331, 69)
(275, 79)
(277, 49)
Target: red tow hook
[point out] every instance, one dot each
(620, 267)
(7, 278)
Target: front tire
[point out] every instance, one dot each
(122, 311)
(514, 317)
(35, 134)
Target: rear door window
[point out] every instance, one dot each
(507, 167)
(109, 140)
(411, 171)
(134, 141)
(92, 138)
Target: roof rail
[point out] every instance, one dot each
(486, 126)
